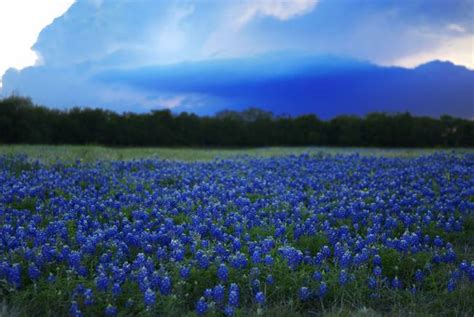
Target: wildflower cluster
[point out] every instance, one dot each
(127, 236)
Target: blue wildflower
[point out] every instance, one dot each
(223, 273)
(260, 298)
(111, 311)
(149, 297)
(201, 307)
(304, 293)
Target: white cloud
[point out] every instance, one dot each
(458, 50)
(169, 36)
(170, 103)
(279, 9)
(131, 97)
(20, 23)
(456, 28)
(231, 39)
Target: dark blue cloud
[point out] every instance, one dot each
(326, 85)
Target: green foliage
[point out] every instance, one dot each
(28, 203)
(403, 266)
(312, 243)
(25, 123)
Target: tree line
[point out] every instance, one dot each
(21, 121)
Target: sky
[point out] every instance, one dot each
(19, 29)
(65, 53)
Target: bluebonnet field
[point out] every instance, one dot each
(301, 233)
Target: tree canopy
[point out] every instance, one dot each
(21, 121)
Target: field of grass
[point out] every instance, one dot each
(387, 233)
(90, 153)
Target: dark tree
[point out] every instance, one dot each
(23, 122)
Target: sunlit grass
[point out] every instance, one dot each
(51, 153)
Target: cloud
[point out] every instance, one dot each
(299, 84)
(460, 49)
(19, 29)
(279, 9)
(144, 100)
(96, 36)
(456, 28)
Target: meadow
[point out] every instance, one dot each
(88, 231)
(91, 153)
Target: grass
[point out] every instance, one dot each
(87, 153)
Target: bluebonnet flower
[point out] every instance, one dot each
(82, 271)
(464, 266)
(74, 259)
(304, 293)
(471, 273)
(33, 272)
(292, 255)
(254, 271)
(450, 256)
(219, 293)
(149, 297)
(229, 310)
(234, 294)
(74, 310)
(319, 258)
(323, 289)
(343, 277)
(419, 276)
(326, 251)
(436, 259)
(346, 259)
(88, 297)
(203, 260)
(269, 279)
(456, 274)
(184, 272)
(208, 293)
(102, 282)
(178, 254)
(372, 282)
(451, 285)
(111, 311)
(223, 273)
(378, 271)
(78, 290)
(317, 276)
(268, 260)
(165, 285)
(402, 245)
(396, 283)
(201, 307)
(256, 257)
(236, 245)
(116, 289)
(260, 298)
(14, 275)
(239, 261)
